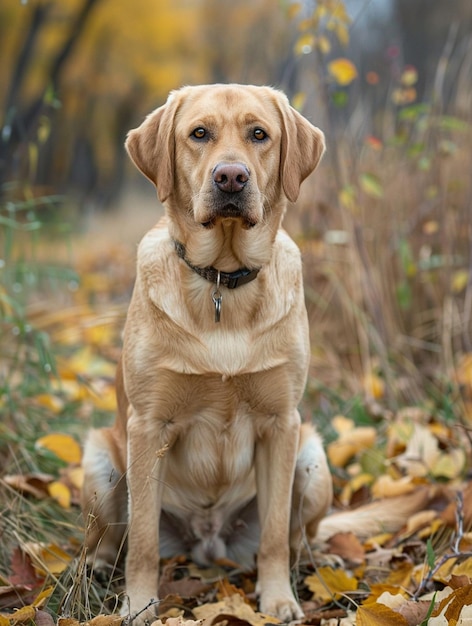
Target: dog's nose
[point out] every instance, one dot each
(230, 177)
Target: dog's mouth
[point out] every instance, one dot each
(229, 211)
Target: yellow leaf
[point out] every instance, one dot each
(298, 100)
(342, 33)
(357, 482)
(379, 615)
(342, 424)
(85, 361)
(401, 575)
(450, 465)
(60, 493)
(374, 386)
(64, 447)
(351, 443)
(323, 44)
(47, 558)
(409, 76)
(464, 370)
(460, 280)
(76, 476)
(419, 521)
(304, 44)
(50, 401)
(328, 582)
(41, 598)
(4, 621)
(343, 71)
(105, 399)
(23, 616)
(377, 540)
(464, 567)
(387, 487)
(233, 605)
(110, 620)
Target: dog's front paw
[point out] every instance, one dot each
(281, 604)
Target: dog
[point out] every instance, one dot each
(208, 455)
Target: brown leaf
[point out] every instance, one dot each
(379, 615)
(177, 621)
(22, 570)
(11, 597)
(451, 606)
(30, 484)
(230, 620)
(348, 547)
(455, 582)
(414, 612)
(232, 606)
(67, 621)
(225, 589)
(105, 620)
(185, 587)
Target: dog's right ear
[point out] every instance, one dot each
(151, 147)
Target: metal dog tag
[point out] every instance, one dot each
(217, 299)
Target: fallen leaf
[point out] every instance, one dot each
(22, 570)
(350, 443)
(235, 606)
(328, 583)
(47, 558)
(67, 621)
(31, 484)
(61, 493)
(387, 487)
(105, 620)
(226, 589)
(421, 454)
(175, 621)
(347, 546)
(379, 615)
(63, 446)
(23, 616)
(456, 606)
(414, 612)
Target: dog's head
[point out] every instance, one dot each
(226, 156)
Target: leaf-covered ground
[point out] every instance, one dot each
(60, 362)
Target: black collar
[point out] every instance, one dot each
(231, 280)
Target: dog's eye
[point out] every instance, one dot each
(199, 133)
(259, 134)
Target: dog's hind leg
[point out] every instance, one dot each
(104, 501)
(312, 490)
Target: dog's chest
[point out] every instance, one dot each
(214, 431)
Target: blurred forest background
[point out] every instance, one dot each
(384, 225)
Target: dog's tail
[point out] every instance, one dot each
(385, 515)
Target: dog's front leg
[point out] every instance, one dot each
(275, 465)
(146, 458)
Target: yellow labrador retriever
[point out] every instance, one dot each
(215, 353)
(208, 456)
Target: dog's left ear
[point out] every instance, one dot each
(302, 147)
(151, 147)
